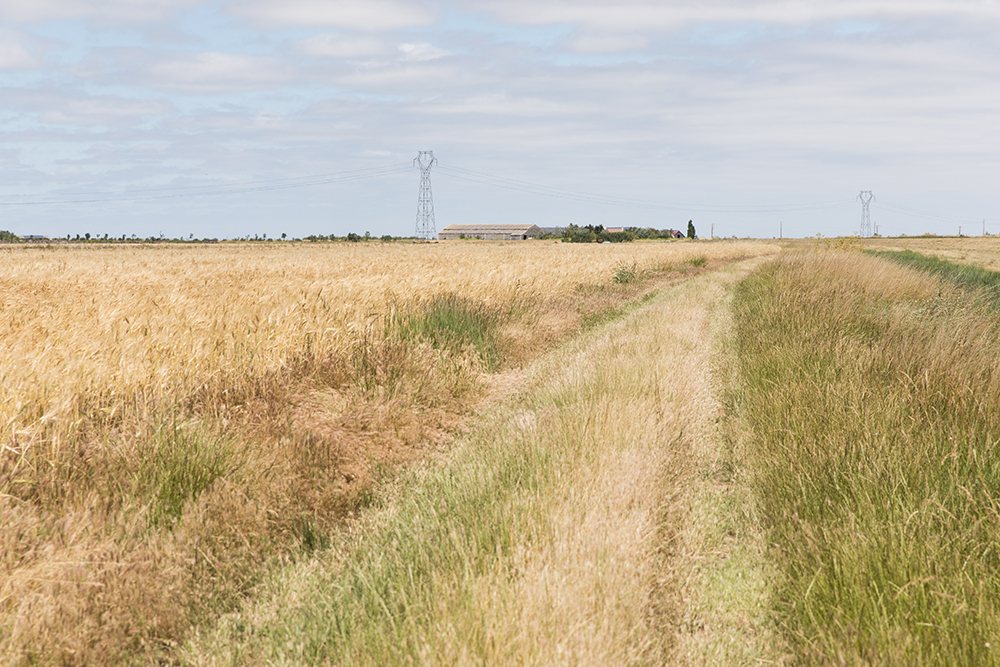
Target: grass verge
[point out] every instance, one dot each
(967, 276)
(870, 393)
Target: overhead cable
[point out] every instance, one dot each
(221, 188)
(576, 195)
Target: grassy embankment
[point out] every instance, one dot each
(871, 393)
(178, 421)
(559, 532)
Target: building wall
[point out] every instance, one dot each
(486, 236)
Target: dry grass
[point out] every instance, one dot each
(174, 419)
(552, 536)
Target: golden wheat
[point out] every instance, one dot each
(102, 325)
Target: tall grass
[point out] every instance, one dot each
(871, 393)
(965, 275)
(452, 322)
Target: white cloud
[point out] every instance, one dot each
(13, 55)
(104, 111)
(219, 72)
(373, 15)
(647, 15)
(332, 45)
(420, 52)
(608, 43)
(108, 10)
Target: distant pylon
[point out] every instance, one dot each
(866, 198)
(426, 228)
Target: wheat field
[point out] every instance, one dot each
(175, 418)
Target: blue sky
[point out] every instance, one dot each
(225, 119)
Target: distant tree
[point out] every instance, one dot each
(353, 238)
(368, 236)
(575, 234)
(87, 236)
(7, 237)
(691, 233)
(284, 236)
(387, 237)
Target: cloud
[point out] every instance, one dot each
(332, 45)
(105, 110)
(650, 15)
(371, 15)
(106, 10)
(608, 43)
(420, 52)
(14, 56)
(219, 72)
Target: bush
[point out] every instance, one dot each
(617, 237)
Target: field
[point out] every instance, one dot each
(693, 453)
(185, 419)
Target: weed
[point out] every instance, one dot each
(698, 262)
(452, 322)
(626, 273)
(181, 462)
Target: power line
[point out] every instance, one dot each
(576, 195)
(248, 186)
(927, 215)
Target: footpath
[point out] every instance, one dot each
(596, 517)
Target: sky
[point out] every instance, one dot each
(756, 118)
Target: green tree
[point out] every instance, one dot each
(691, 233)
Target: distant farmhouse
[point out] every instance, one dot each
(490, 232)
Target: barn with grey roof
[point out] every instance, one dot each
(490, 232)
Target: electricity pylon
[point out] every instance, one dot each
(866, 198)
(425, 201)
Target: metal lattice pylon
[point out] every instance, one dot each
(866, 198)
(426, 228)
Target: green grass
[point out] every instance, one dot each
(180, 463)
(967, 276)
(453, 322)
(875, 457)
(626, 273)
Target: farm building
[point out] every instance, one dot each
(490, 232)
